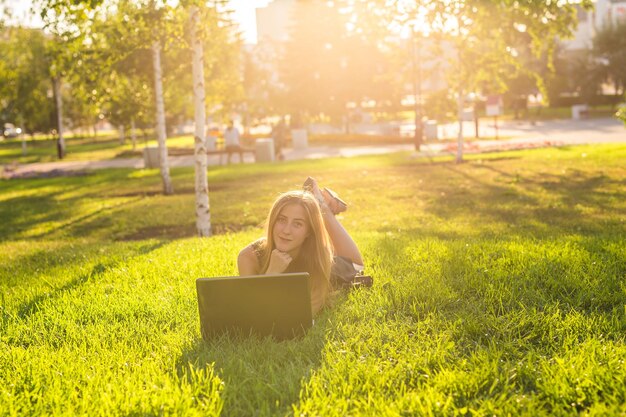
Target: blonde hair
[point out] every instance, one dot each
(315, 255)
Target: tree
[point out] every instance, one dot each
(66, 38)
(484, 51)
(205, 23)
(122, 41)
(609, 46)
(259, 89)
(203, 213)
(70, 20)
(621, 112)
(24, 91)
(325, 67)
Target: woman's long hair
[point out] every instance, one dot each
(315, 255)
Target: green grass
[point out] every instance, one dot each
(81, 149)
(499, 290)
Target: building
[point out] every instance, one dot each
(605, 12)
(273, 20)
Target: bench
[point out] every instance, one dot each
(221, 152)
(580, 111)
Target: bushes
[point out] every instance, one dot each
(596, 100)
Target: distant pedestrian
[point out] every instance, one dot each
(231, 141)
(279, 134)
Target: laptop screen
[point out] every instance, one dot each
(260, 305)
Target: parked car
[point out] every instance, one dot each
(10, 131)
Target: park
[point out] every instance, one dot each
(495, 232)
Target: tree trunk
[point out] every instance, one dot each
(203, 212)
(459, 148)
(133, 135)
(160, 117)
(476, 121)
(23, 137)
(122, 135)
(56, 86)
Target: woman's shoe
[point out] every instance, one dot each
(311, 186)
(336, 204)
(327, 197)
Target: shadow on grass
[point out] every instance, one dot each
(81, 207)
(575, 187)
(53, 200)
(262, 377)
(580, 203)
(486, 282)
(61, 258)
(510, 302)
(169, 232)
(20, 214)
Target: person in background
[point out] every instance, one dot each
(279, 134)
(231, 141)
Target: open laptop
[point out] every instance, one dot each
(261, 305)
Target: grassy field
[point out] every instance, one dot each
(500, 289)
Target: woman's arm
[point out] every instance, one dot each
(247, 262)
(342, 241)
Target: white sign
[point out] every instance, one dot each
(494, 110)
(494, 105)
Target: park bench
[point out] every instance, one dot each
(580, 111)
(262, 151)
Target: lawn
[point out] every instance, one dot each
(500, 289)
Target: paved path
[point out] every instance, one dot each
(523, 136)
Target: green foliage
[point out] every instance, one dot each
(25, 86)
(583, 72)
(499, 291)
(491, 46)
(440, 106)
(621, 112)
(261, 93)
(576, 73)
(101, 49)
(324, 67)
(609, 45)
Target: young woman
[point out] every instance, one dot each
(302, 235)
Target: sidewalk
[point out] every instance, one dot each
(523, 136)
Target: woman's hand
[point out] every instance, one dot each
(279, 261)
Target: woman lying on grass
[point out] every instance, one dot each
(303, 235)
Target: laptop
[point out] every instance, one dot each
(261, 305)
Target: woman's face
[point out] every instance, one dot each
(291, 229)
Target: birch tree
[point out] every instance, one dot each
(203, 212)
(139, 35)
(160, 119)
(145, 25)
(150, 28)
